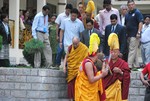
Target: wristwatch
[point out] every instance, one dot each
(139, 32)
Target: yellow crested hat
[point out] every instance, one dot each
(93, 43)
(113, 41)
(90, 7)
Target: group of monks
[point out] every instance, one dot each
(90, 77)
(86, 82)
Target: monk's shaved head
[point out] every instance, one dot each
(75, 41)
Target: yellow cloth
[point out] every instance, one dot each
(113, 92)
(74, 59)
(86, 91)
(113, 41)
(90, 7)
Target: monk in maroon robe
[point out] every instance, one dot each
(120, 75)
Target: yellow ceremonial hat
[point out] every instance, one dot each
(93, 43)
(90, 7)
(113, 41)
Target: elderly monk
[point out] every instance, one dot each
(117, 83)
(76, 53)
(88, 85)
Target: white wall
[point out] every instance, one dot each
(23, 4)
(53, 2)
(60, 8)
(40, 4)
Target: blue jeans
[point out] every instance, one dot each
(145, 52)
(59, 54)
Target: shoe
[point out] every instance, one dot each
(57, 65)
(53, 65)
(56, 68)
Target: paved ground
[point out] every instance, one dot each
(23, 61)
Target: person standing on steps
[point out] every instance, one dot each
(40, 32)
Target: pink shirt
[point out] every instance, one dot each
(105, 18)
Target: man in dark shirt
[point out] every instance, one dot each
(114, 27)
(134, 23)
(85, 36)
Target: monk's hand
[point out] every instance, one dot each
(104, 70)
(145, 82)
(64, 69)
(83, 15)
(118, 70)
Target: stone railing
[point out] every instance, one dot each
(32, 85)
(137, 90)
(21, 84)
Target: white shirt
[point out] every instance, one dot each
(60, 18)
(71, 29)
(40, 23)
(145, 27)
(114, 28)
(90, 32)
(122, 20)
(145, 36)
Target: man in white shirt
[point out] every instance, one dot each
(145, 41)
(40, 32)
(61, 17)
(123, 12)
(70, 28)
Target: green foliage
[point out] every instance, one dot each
(1, 41)
(32, 47)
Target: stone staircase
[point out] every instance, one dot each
(23, 84)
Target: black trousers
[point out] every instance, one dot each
(147, 94)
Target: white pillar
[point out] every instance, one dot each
(40, 4)
(14, 15)
(61, 6)
(23, 4)
(1, 4)
(112, 1)
(95, 11)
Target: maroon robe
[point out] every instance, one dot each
(124, 79)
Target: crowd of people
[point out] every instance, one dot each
(100, 51)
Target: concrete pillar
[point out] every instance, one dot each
(61, 6)
(40, 4)
(96, 3)
(1, 3)
(14, 6)
(23, 4)
(14, 15)
(112, 1)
